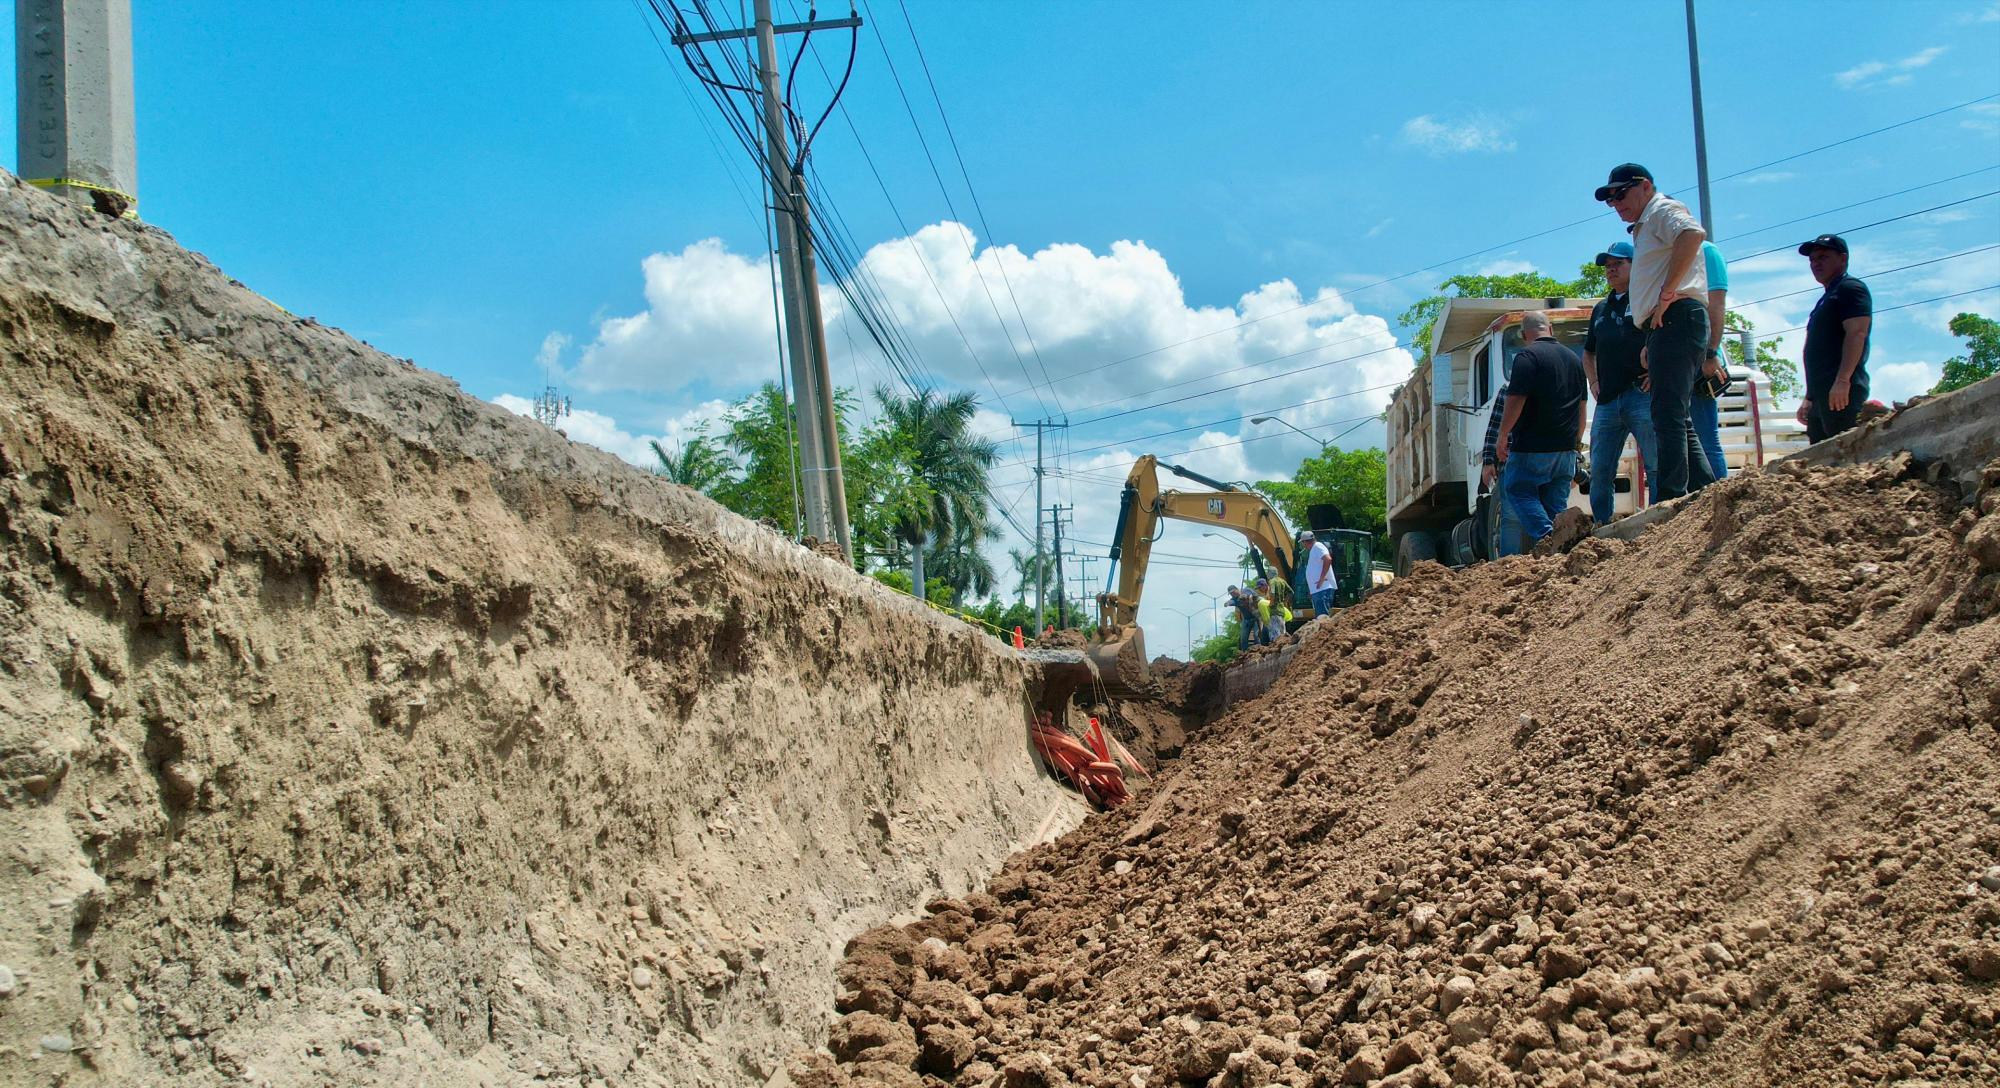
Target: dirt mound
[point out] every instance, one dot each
(353, 731)
(1712, 808)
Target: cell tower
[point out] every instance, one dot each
(551, 406)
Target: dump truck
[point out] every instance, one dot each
(1439, 509)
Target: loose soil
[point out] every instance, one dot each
(353, 731)
(1716, 807)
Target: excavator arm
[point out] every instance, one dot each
(1142, 507)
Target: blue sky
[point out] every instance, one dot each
(509, 190)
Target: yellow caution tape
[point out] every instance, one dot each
(966, 617)
(131, 202)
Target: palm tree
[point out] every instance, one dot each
(959, 561)
(946, 483)
(700, 464)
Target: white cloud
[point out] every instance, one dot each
(550, 353)
(1986, 118)
(1506, 266)
(1376, 230)
(708, 313)
(1445, 137)
(1892, 382)
(1768, 177)
(1880, 73)
(1990, 15)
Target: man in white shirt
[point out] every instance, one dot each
(1669, 292)
(1320, 581)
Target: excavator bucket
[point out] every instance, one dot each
(1122, 667)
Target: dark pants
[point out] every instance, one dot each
(1823, 423)
(1673, 359)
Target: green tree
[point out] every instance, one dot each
(759, 434)
(1982, 353)
(958, 561)
(944, 468)
(1024, 575)
(1223, 646)
(1422, 315)
(1355, 481)
(700, 463)
(935, 591)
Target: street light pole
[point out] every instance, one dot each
(1214, 610)
(1274, 419)
(1189, 617)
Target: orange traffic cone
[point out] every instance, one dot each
(1019, 642)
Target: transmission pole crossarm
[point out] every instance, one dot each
(780, 28)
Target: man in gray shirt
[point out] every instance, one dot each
(1669, 291)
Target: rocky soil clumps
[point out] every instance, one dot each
(1711, 808)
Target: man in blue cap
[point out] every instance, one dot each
(1669, 290)
(1836, 352)
(1611, 363)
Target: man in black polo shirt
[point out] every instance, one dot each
(1542, 428)
(1836, 352)
(1611, 365)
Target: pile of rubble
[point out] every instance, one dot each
(1714, 807)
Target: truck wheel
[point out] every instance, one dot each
(1414, 547)
(1461, 550)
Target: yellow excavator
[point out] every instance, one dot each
(1119, 649)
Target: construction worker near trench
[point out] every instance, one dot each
(1836, 351)
(1247, 626)
(1320, 580)
(1612, 350)
(1547, 404)
(1669, 291)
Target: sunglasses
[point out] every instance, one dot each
(1618, 192)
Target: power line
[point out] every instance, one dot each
(978, 207)
(1877, 223)
(1859, 203)
(1879, 274)
(971, 255)
(1503, 245)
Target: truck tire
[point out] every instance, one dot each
(1412, 548)
(1460, 550)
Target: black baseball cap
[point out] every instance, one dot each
(1825, 241)
(1624, 173)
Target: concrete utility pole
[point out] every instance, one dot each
(1055, 521)
(1700, 131)
(1039, 425)
(818, 424)
(73, 91)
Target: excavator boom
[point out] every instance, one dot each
(1120, 651)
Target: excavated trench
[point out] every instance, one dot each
(355, 731)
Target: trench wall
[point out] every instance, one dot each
(353, 730)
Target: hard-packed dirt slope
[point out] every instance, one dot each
(355, 732)
(1717, 807)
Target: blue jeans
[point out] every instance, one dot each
(1322, 601)
(1510, 528)
(1705, 415)
(1630, 412)
(1537, 486)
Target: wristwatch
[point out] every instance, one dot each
(1712, 353)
